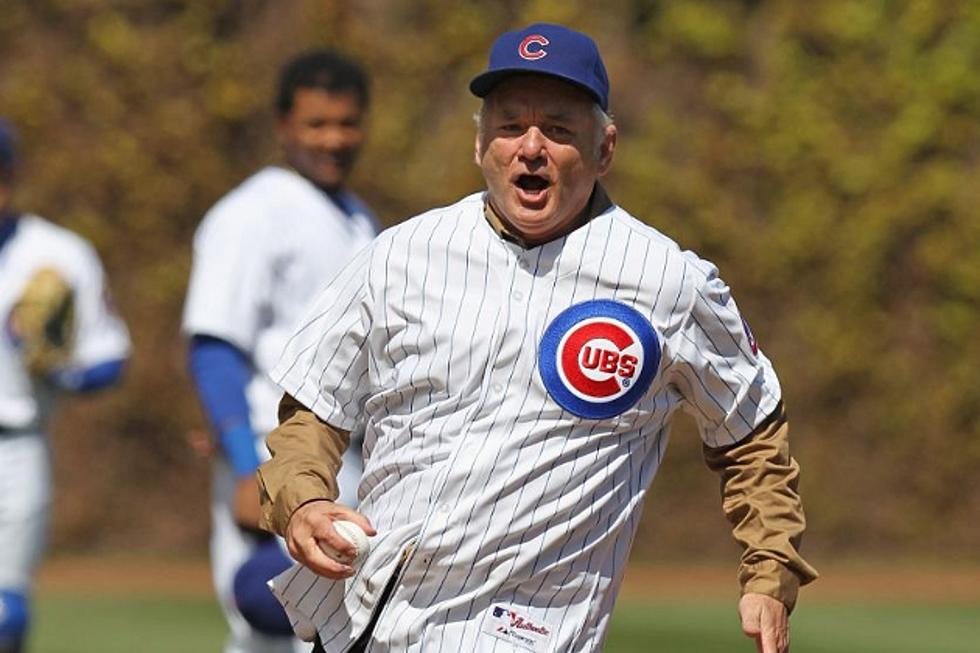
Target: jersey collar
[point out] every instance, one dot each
(599, 203)
(338, 197)
(8, 226)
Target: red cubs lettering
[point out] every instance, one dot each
(610, 361)
(590, 357)
(577, 355)
(532, 54)
(627, 366)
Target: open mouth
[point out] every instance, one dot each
(532, 184)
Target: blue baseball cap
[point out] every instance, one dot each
(546, 49)
(8, 145)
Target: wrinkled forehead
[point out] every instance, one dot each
(538, 94)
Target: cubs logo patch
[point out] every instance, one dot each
(598, 358)
(532, 47)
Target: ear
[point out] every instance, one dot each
(477, 154)
(606, 149)
(281, 129)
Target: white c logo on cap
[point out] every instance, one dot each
(537, 53)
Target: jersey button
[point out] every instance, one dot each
(497, 388)
(518, 295)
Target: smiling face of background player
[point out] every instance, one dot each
(541, 149)
(322, 134)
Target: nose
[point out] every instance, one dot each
(532, 144)
(332, 137)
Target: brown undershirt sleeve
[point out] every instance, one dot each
(759, 482)
(306, 453)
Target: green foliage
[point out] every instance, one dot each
(826, 155)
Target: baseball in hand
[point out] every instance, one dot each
(353, 534)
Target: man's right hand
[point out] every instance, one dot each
(312, 523)
(765, 620)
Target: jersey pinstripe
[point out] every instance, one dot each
(518, 509)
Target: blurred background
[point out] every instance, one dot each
(825, 155)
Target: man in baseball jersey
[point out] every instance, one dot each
(259, 255)
(58, 333)
(515, 360)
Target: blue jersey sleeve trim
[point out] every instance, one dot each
(221, 373)
(90, 379)
(238, 443)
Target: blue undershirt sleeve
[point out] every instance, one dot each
(89, 379)
(221, 373)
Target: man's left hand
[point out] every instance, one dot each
(765, 620)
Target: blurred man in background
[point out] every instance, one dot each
(59, 333)
(259, 256)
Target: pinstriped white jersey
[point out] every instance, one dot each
(516, 406)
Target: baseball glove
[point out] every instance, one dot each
(42, 322)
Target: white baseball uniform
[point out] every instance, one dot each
(100, 336)
(260, 255)
(516, 405)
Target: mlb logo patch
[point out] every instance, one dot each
(512, 625)
(598, 358)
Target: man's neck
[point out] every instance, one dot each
(598, 203)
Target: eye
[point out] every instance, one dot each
(511, 128)
(557, 131)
